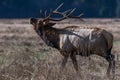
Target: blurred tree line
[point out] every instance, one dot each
(31, 8)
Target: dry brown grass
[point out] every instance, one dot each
(24, 56)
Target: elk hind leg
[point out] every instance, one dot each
(111, 66)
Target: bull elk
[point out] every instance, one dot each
(72, 40)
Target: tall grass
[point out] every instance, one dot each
(23, 56)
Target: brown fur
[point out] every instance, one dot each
(71, 27)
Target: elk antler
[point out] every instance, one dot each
(66, 14)
(43, 14)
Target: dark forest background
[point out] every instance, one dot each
(31, 8)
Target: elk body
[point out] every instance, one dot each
(72, 40)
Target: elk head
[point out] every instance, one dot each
(40, 24)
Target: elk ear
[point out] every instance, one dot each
(51, 24)
(33, 21)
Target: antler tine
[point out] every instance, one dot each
(67, 11)
(51, 13)
(78, 17)
(45, 13)
(55, 11)
(81, 15)
(70, 16)
(59, 6)
(81, 18)
(41, 12)
(61, 13)
(71, 12)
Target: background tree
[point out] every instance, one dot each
(30, 8)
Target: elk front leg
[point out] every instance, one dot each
(64, 61)
(74, 61)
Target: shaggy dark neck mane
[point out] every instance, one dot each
(51, 36)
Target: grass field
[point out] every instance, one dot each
(24, 56)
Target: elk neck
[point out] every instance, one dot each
(50, 36)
